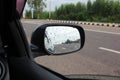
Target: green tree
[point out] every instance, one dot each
(44, 15)
(68, 41)
(80, 7)
(38, 6)
(89, 10)
(98, 10)
(89, 5)
(28, 14)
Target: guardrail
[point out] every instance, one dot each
(87, 23)
(78, 22)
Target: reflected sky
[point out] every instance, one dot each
(61, 34)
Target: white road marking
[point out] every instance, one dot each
(110, 50)
(102, 31)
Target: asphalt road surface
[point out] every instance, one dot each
(65, 48)
(100, 55)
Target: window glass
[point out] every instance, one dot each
(100, 20)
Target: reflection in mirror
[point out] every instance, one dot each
(62, 39)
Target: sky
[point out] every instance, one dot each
(57, 3)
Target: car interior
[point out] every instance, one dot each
(16, 61)
(16, 54)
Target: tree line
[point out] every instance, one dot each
(98, 11)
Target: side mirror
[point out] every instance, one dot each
(57, 39)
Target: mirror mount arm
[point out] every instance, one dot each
(36, 51)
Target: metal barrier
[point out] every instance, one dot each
(88, 23)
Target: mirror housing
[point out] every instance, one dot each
(47, 39)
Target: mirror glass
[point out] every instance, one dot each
(62, 39)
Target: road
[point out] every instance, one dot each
(100, 55)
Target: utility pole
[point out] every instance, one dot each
(50, 10)
(32, 10)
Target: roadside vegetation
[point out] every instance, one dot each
(97, 11)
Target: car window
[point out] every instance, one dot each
(101, 21)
